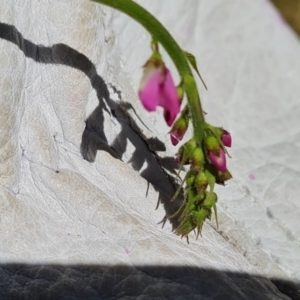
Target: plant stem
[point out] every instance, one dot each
(160, 34)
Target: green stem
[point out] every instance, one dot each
(160, 34)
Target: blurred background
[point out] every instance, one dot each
(290, 10)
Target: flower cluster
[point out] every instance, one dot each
(206, 156)
(207, 168)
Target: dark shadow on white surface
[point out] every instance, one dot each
(158, 171)
(64, 282)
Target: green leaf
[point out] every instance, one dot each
(191, 58)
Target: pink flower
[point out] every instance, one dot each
(226, 138)
(218, 161)
(157, 89)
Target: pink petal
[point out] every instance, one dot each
(169, 99)
(175, 138)
(226, 139)
(149, 92)
(219, 162)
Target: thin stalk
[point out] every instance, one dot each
(160, 34)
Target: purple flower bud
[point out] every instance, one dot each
(179, 129)
(157, 89)
(226, 138)
(218, 161)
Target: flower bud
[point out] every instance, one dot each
(218, 161)
(198, 219)
(179, 129)
(225, 137)
(199, 199)
(190, 179)
(201, 182)
(197, 159)
(185, 151)
(212, 144)
(191, 193)
(157, 89)
(199, 216)
(210, 200)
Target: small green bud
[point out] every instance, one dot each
(199, 216)
(201, 182)
(191, 193)
(185, 151)
(199, 200)
(212, 144)
(210, 200)
(190, 145)
(197, 159)
(179, 129)
(190, 179)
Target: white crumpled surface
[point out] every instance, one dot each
(87, 228)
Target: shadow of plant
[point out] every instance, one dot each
(158, 170)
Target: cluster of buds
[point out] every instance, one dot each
(207, 168)
(206, 157)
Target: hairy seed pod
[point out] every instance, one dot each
(197, 159)
(199, 216)
(212, 144)
(210, 200)
(201, 182)
(190, 179)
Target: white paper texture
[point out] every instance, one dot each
(81, 161)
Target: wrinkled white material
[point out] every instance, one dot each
(57, 208)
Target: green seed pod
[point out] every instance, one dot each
(210, 200)
(190, 146)
(185, 151)
(179, 129)
(201, 182)
(191, 199)
(212, 144)
(199, 216)
(199, 199)
(190, 179)
(197, 159)
(191, 193)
